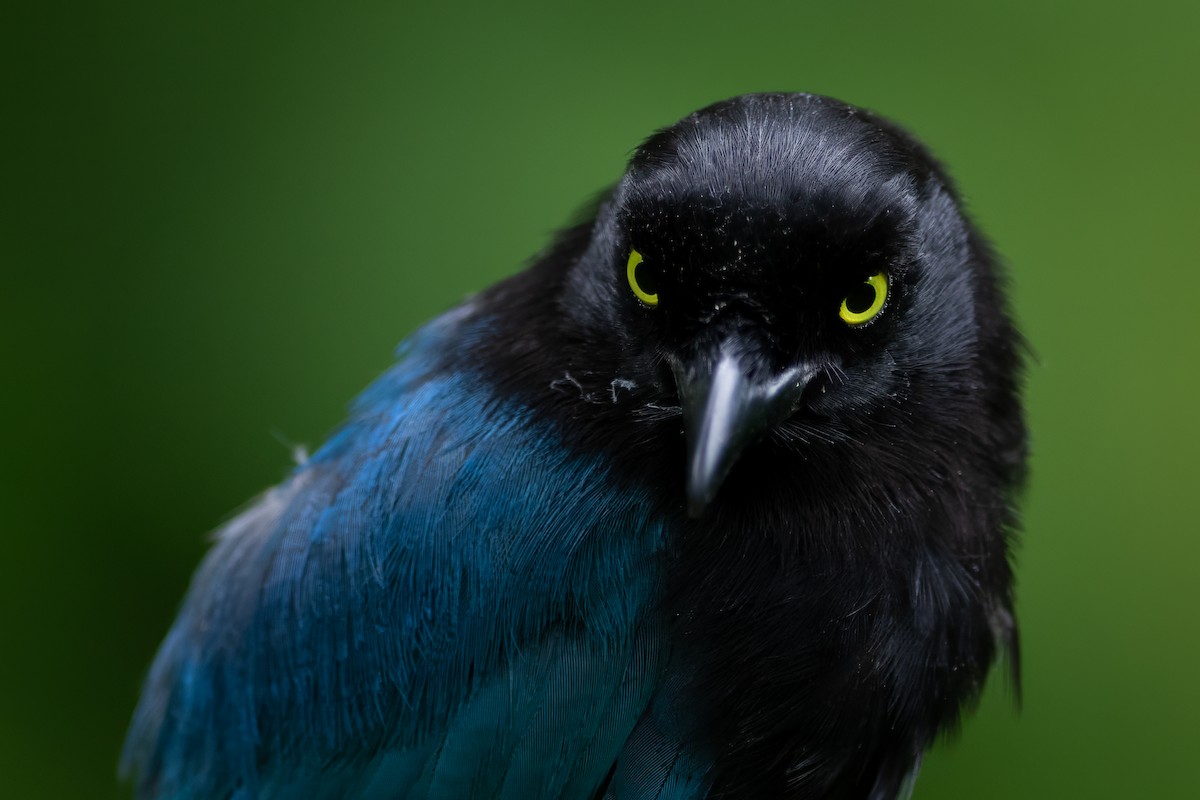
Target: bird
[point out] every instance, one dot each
(717, 498)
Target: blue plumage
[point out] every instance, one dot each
(441, 598)
(712, 501)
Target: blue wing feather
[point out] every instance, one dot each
(442, 602)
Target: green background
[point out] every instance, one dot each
(218, 220)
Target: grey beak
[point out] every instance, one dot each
(725, 410)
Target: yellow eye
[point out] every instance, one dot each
(643, 287)
(865, 301)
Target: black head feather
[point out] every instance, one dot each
(843, 592)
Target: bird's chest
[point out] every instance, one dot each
(831, 658)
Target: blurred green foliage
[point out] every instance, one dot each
(218, 219)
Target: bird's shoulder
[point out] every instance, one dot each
(443, 574)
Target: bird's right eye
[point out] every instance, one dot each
(865, 301)
(642, 279)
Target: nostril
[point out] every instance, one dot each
(826, 378)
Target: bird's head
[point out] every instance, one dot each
(777, 264)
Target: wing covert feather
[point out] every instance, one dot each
(442, 598)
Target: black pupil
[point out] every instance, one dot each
(646, 277)
(860, 299)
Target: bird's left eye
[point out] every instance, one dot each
(865, 301)
(642, 279)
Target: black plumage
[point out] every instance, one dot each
(845, 593)
(715, 500)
